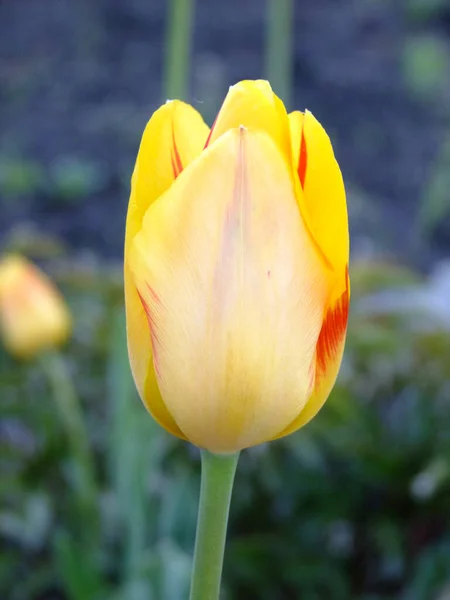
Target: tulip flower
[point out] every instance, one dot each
(236, 270)
(33, 314)
(236, 285)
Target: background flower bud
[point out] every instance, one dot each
(33, 314)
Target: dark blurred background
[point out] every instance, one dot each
(356, 505)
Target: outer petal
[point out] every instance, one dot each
(234, 292)
(329, 351)
(254, 105)
(323, 204)
(174, 136)
(324, 209)
(296, 119)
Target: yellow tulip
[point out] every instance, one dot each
(33, 314)
(236, 270)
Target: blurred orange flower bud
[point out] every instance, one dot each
(236, 270)
(33, 314)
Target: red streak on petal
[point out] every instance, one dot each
(151, 323)
(177, 165)
(210, 133)
(302, 161)
(333, 330)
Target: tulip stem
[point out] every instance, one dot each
(72, 420)
(215, 495)
(178, 48)
(279, 47)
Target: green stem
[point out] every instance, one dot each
(126, 439)
(72, 420)
(279, 47)
(215, 495)
(178, 49)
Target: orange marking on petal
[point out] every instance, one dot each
(210, 133)
(333, 330)
(151, 323)
(302, 161)
(177, 165)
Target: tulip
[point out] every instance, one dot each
(33, 314)
(236, 270)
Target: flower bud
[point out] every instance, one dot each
(33, 314)
(236, 270)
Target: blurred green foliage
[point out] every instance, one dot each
(424, 10)
(425, 60)
(355, 505)
(69, 180)
(435, 207)
(19, 176)
(426, 65)
(72, 179)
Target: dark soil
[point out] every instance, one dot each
(79, 79)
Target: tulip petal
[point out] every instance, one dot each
(173, 138)
(296, 119)
(254, 105)
(329, 352)
(323, 204)
(234, 293)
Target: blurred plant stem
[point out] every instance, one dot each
(279, 47)
(215, 494)
(129, 461)
(178, 48)
(72, 419)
